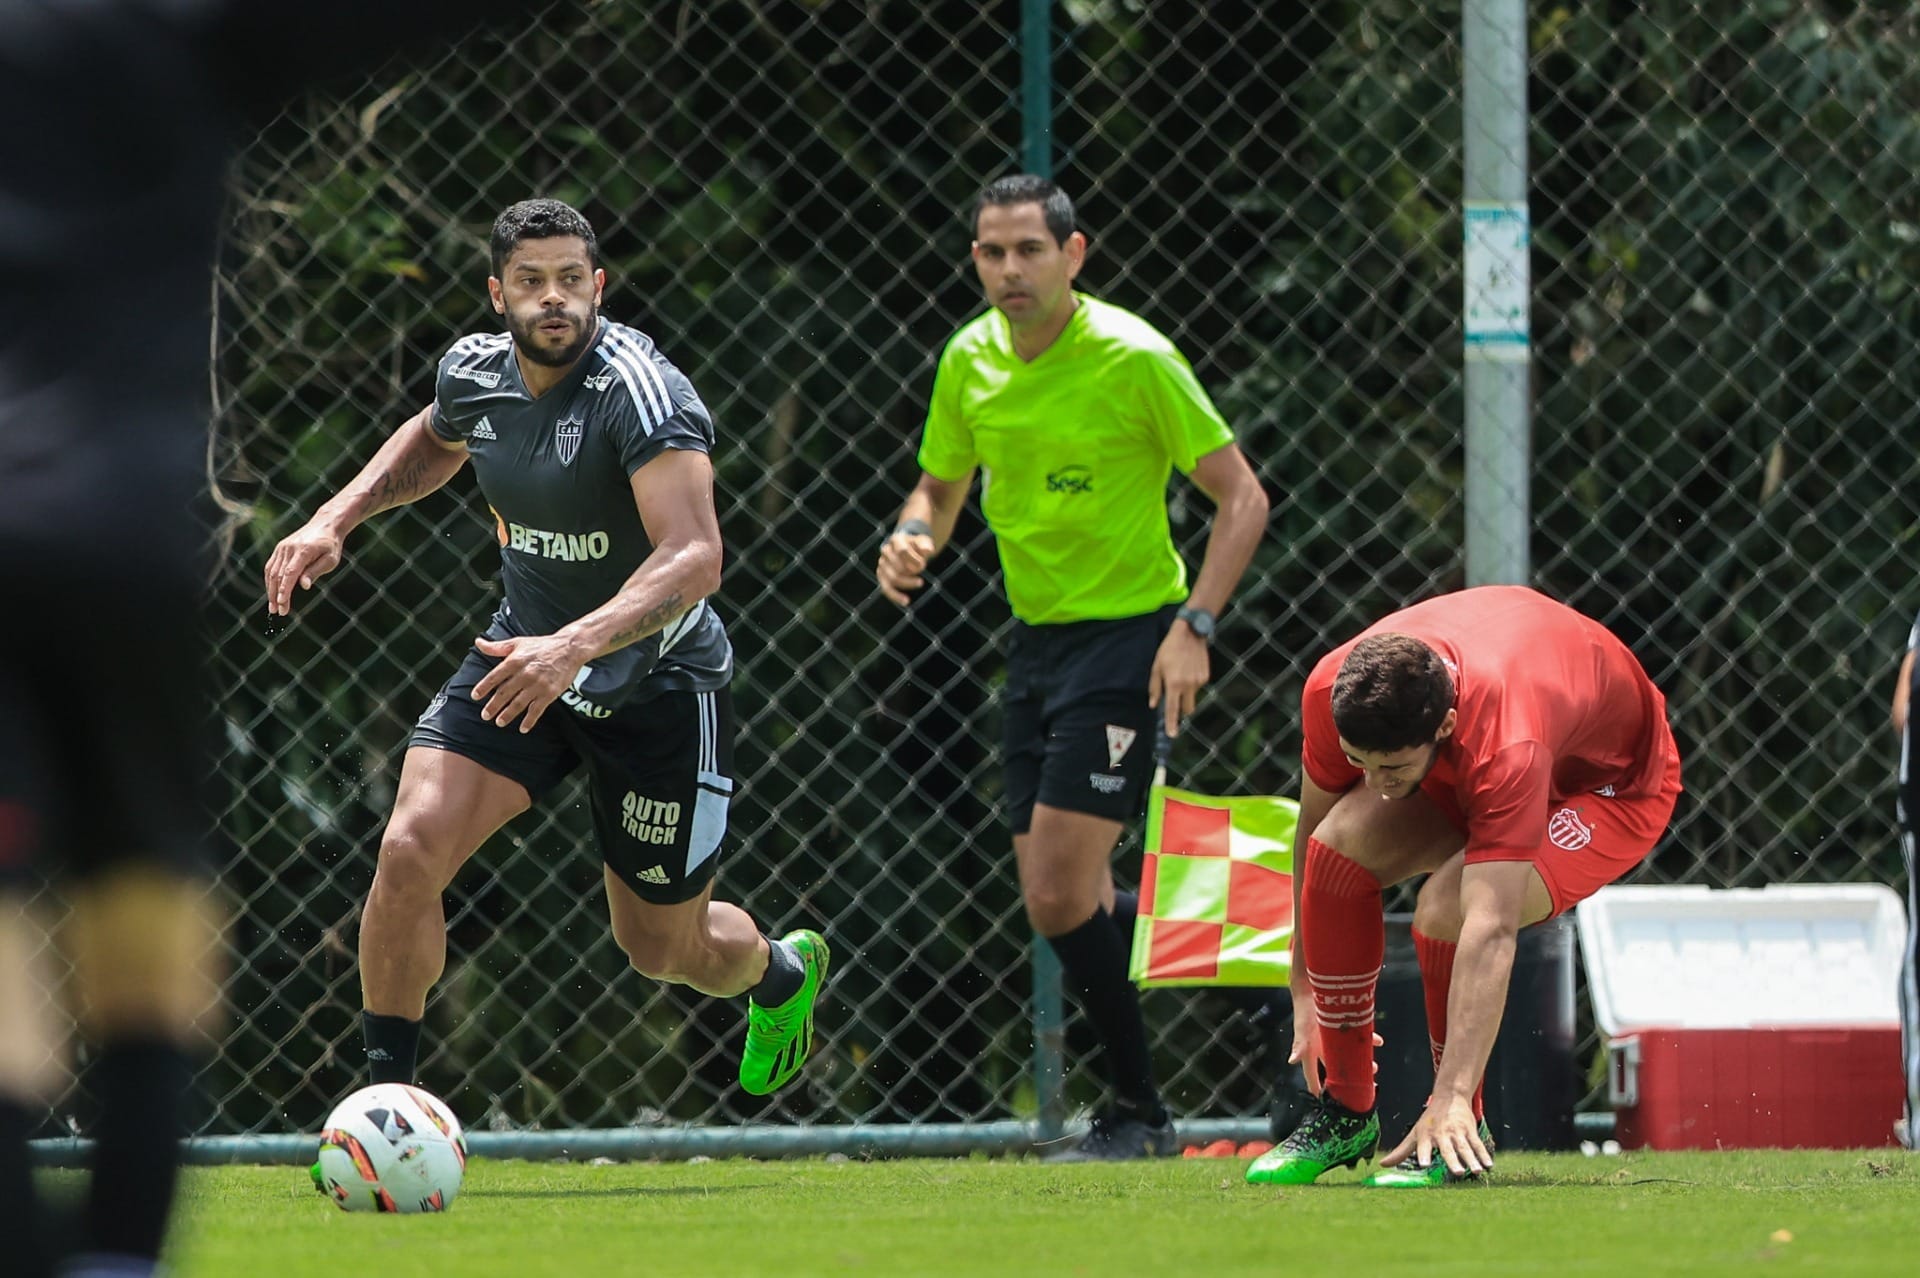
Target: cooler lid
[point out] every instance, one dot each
(1741, 958)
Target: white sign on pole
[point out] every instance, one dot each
(1497, 280)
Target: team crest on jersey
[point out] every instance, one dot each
(567, 434)
(1566, 830)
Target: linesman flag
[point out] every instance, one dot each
(1216, 890)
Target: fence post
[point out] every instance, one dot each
(1497, 284)
(1036, 151)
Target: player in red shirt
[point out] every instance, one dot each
(1514, 752)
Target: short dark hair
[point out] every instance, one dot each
(1026, 188)
(1391, 694)
(539, 220)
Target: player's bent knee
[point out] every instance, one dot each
(411, 865)
(1054, 909)
(1391, 839)
(1343, 829)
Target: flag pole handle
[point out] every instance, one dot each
(1162, 752)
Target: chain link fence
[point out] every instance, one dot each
(1726, 249)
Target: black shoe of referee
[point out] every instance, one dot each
(1116, 1137)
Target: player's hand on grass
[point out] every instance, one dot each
(533, 670)
(300, 559)
(903, 565)
(1447, 1130)
(1180, 670)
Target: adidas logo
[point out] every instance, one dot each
(654, 875)
(483, 429)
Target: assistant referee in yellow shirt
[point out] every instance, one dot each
(1076, 412)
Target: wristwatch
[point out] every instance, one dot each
(1198, 620)
(910, 527)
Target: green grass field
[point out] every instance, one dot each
(1565, 1215)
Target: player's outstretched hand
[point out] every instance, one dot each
(300, 559)
(1180, 670)
(532, 671)
(903, 565)
(1448, 1130)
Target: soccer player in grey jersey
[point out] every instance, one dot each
(592, 452)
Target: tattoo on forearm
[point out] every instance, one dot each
(398, 488)
(651, 620)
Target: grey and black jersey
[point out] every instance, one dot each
(557, 472)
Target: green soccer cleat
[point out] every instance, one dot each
(779, 1039)
(1330, 1136)
(1410, 1175)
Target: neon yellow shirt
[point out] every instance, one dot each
(1075, 449)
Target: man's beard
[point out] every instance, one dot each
(526, 335)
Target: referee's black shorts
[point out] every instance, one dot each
(1078, 729)
(659, 773)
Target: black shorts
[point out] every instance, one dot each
(105, 726)
(659, 773)
(1079, 731)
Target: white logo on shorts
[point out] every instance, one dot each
(1605, 792)
(433, 706)
(1566, 830)
(1105, 784)
(649, 820)
(1119, 741)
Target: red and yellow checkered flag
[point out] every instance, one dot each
(1216, 891)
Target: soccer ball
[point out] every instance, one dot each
(391, 1147)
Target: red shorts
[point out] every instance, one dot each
(1592, 839)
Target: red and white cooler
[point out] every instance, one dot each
(1748, 1018)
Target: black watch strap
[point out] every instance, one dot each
(1198, 620)
(911, 527)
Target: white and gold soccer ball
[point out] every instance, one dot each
(391, 1147)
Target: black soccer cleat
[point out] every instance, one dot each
(1113, 1138)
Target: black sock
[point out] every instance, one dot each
(1095, 958)
(393, 1047)
(22, 1239)
(142, 1086)
(785, 975)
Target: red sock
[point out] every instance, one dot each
(1343, 938)
(1436, 983)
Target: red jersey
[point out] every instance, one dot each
(1550, 706)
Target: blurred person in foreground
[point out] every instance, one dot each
(1907, 809)
(121, 119)
(1077, 412)
(594, 455)
(1515, 753)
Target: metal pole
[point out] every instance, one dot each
(1498, 284)
(1036, 87)
(891, 1140)
(1036, 154)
